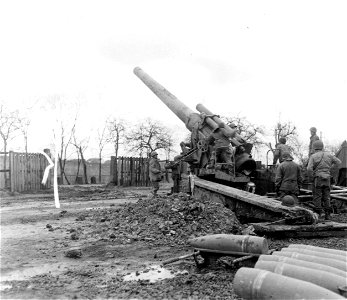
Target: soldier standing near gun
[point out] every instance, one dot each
(281, 147)
(154, 173)
(175, 167)
(318, 171)
(288, 177)
(222, 147)
(314, 137)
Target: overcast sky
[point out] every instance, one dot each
(263, 60)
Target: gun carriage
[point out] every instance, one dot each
(227, 178)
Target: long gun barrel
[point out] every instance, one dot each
(190, 118)
(205, 122)
(176, 106)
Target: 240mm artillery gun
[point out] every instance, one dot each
(215, 150)
(222, 163)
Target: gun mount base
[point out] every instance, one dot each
(250, 207)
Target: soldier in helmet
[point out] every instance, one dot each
(288, 177)
(318, 171)
(288, 200)
(314, 137)
(154, 172)
(281, 147)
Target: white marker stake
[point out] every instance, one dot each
(55, 179)
(55, 186)
(50, 166)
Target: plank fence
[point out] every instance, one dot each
(132, 171)
(23, 172)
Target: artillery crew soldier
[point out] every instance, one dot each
(175, 167)
(154, 172)
(220, 139)
(314, 137)
(318, 171)
(288, 177)
(281, 147)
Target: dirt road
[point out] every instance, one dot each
(81, 251)
(35, 238)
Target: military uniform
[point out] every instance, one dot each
(288, 177)
(175, 167)
(313, 138)
(154, 173)
(220, 139)
(318, 170)
(280, 149)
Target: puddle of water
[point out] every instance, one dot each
(28, 272)
(153, 274)
(4, 286)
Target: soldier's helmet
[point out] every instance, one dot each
(313, 129)
(232, 125)
(288, 200)
(153, 154)
(318, 145)
(286, 155)
(282, 140)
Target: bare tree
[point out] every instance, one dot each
(299, 150)
(81, 145)
(333, 147)
(65, 141)
(116, 130)
(65, 112)
(78, 164)
(23, 126)
(8, 126)
(149, 136)
(286, 130)
(251, 133)
(102, 138)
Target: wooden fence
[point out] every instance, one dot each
(130, 171)
(24, 171)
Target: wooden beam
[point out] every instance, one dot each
(327, 228)
(337, 197)
(247, 204)
(338, 191)
(337, 187)
(304, 196)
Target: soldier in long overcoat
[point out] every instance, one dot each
(155, 175)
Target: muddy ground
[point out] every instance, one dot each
(81, 251)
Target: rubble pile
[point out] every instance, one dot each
(165, 220)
